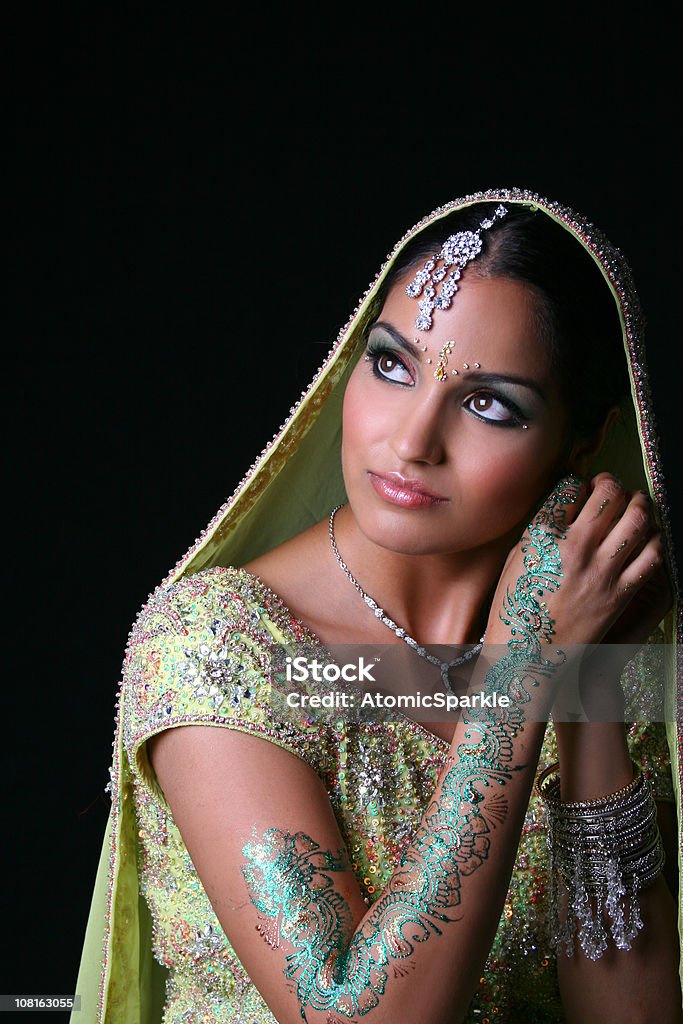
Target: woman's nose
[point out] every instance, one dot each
(418, 435)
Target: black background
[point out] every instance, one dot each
(198, 205)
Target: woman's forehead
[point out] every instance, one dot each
(499, 308)
(493, 322)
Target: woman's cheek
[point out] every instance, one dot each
(512, 483)
(366, 423)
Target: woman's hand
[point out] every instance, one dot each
(588, 569)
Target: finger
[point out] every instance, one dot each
(605, 504)
(629, 534)
(646, 568)
(562, 505)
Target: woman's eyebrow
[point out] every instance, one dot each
(408, 346)
(507, 378)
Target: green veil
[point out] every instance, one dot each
(293, 484)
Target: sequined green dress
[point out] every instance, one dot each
(154, 949)
(199, 654)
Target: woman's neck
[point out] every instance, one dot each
(436, 598)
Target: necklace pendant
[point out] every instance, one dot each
(445, 669)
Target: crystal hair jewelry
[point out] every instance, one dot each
(444, 666)
(604, 851)
(457, 251)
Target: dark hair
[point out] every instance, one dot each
(577, 313)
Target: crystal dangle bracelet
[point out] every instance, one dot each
(604, 852)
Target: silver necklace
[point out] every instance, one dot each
(444, 666)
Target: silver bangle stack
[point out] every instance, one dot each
(604, 852)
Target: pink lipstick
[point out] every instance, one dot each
(399, 490)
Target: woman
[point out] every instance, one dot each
(294, 866)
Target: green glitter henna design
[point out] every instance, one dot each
(527, 617)
(290, 879)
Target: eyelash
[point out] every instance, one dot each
(375, 352)
(516, 417)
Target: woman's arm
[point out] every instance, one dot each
(260, 830)
(641, 984)
(633, 986)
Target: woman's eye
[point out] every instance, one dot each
(389, 367)
(488, 407)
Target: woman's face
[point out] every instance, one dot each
(456, 465)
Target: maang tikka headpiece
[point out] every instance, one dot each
(457, 251)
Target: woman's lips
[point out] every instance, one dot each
(400, 491)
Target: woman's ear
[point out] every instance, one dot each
(585, 450)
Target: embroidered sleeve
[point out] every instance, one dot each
(649, 749)
(200, 652)
(643, 684)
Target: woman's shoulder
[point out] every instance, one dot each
(218, 600)
(205, 650)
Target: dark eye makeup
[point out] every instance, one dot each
(482, 401)
(485, 403)
(387, 362)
